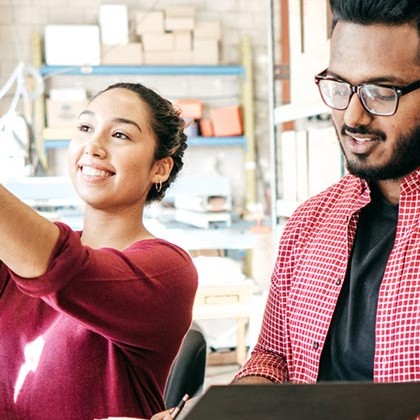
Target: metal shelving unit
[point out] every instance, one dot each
(284, 112)
(161, 70)
(242, 71)
(194, 142)
(142, 70)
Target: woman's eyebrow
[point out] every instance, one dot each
(126, 121)
(117, 119)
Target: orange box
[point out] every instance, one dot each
(206, 127)
(226, 121)
(191, 108)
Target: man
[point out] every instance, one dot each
(344, 302)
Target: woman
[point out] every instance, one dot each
(91, 321)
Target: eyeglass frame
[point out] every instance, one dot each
(399, 91)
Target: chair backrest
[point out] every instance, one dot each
(188, 370)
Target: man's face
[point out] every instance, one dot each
(378, 147)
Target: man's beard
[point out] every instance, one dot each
(405, 157)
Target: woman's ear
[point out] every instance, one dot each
(163, 168)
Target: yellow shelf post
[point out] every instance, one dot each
(249, 123)
(38, 105)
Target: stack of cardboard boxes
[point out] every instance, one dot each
(170, 36)
(116, 46)
(175, 36)
(62, 109)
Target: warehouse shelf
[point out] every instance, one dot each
(194, 142)
(139, 70)
(218, 141)
(54, 138)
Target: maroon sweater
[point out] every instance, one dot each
(96, 335)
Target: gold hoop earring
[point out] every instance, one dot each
(158, 186)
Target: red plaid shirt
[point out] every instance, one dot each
(308, 276)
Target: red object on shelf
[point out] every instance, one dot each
(191, 108)
(226, 121)
(206, 127)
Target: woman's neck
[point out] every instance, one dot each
(104, 229)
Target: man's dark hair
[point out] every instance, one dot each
(384, 12)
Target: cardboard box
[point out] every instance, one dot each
(182, 40)
(208, 30)
(182, 57)
(113, 22)
(149, 22)
(68, 93)
(191, 108)
(206, 51)
(124, 54)
(180, 11)
(158, 42)
(224, 294)
(158, 57)
(179, 24)
(58, 133)
(63, 113)
(76, 45)
(226, 121)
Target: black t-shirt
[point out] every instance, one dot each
(349, 349)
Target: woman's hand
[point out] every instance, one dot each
(163, 415)
(121, 418)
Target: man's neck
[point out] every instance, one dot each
(390, 189)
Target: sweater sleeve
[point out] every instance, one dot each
(128, 296)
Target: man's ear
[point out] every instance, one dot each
(163, 168)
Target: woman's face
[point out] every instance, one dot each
(111, 156)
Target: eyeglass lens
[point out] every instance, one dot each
(376, 99)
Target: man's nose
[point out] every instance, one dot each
(356, 114)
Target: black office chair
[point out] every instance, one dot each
(188, 370)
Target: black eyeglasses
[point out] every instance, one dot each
(377, 99)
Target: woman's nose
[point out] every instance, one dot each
(95, 146)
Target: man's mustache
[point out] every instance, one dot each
(362, 129)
